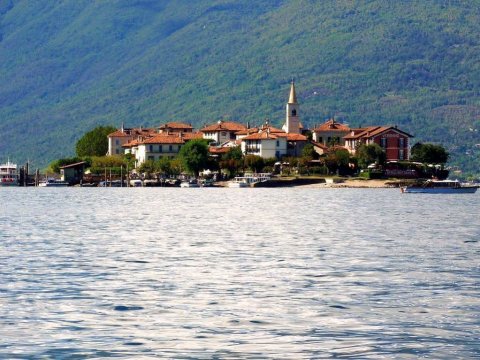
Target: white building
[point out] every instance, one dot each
(222, 131)
(264, 144)
(123, 136)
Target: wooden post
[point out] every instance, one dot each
(25, 178)
(128, 176)
(121, 175)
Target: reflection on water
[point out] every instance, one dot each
(221, 273)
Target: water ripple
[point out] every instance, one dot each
(216, 273)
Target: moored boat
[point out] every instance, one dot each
(53, 183)
(190, 184)
(440, 187)
(8, 174)
(238, 182)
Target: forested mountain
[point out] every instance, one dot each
(69, 65)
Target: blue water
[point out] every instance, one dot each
(238, 273)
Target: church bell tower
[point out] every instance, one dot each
(292, 123)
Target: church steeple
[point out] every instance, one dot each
(292, 121)
(293, 94)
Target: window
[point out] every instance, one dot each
(320, 139)
(278, 143)
(151, 158)
(150, 148)
(383, 142)
(117, 151)
(117, 142)
(224, 133)
(160, 148)
(401, 155)
(170, 148)
(401, 142)
(294, 112)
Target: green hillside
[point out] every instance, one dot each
(67, 66)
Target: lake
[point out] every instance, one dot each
(238, 273)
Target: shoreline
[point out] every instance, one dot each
(355, 184)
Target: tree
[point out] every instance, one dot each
(94, 142)
(164, 166)
(147, 167)
(309, 151)
(368, 154)
(234, 153)
(232, 161)
(254, 162)
(429, 153)
(194, 155)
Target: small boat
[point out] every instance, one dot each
(206, 183)
(239, 182)
(135, 183)
(53, 183)
(440, 187)
(248, 180)
(189, 184)
(8, 174)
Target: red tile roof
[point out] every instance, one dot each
(131, 143)
(331, 125)
(292, 137)
(175, 126)
(164, 139)
(132, 132)
(191, 136)
(218, 150)
(319, 145)
(223, 126)
(366, 133)
(247, 131)
(261, 136)
(271, 129)
(118, 133)
(360, 132)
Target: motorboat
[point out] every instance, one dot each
(239, 182)
(8, 174)
(440, 187)
(189, 184)
(53, 183)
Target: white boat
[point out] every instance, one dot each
(248, 180)
(53, 183)
(440, 187)
(189, 184)
(8, 174)
(239, 182)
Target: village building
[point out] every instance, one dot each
(122, 136)
(394, 141)
(155, 147)
(175, 128)
(265, 144)
(222, 131)
(330, 133)
(73, 173)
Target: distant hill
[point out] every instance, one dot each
(67, 66)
